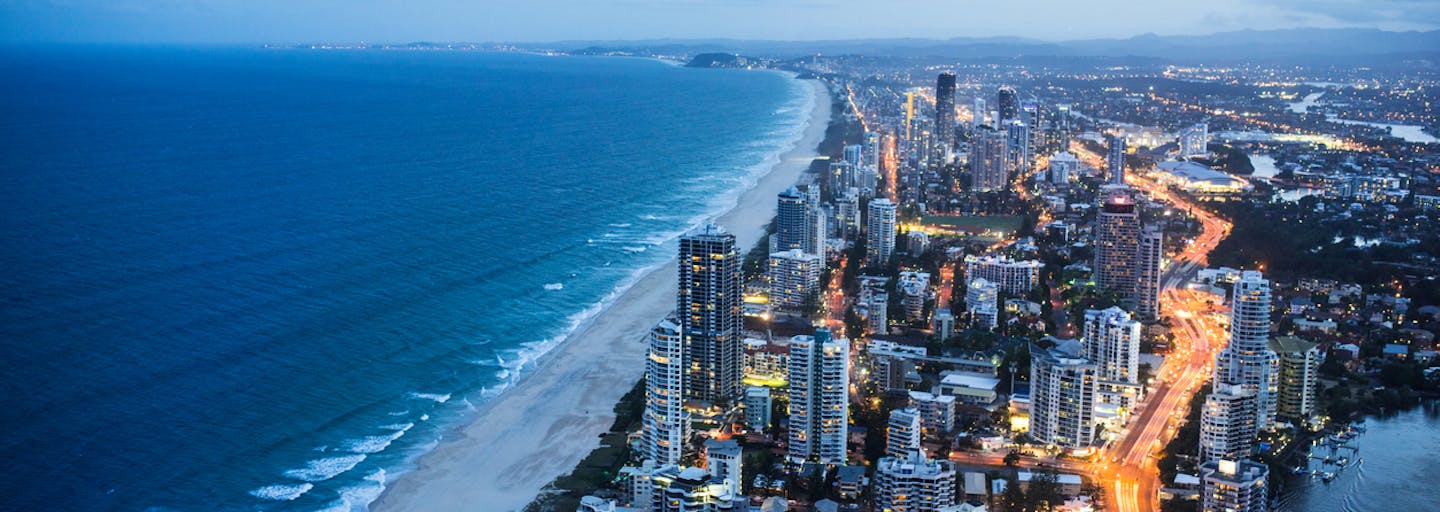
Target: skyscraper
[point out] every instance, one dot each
(902, 435)
(1062, 396)
(1008, 104)
(1248, 361)
(1227, 423)
(1018, 144)
(665, 423)
(710, 318)
(1117, 238)
(1234, 486)
(1194, 141)
(1115, 159)
(977, 113)
(880, 232)
(819, 379)
(791, 216)
(989, 160)
(1298, 377)
(1112, 341)
(945, 109)
(794, 278)
(1149, 257)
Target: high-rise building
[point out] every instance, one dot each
(757, 408)
(914, 288)
(819, 383)
(790, 216)
(1149, 263)
(1227, 423)
(1194, 141)
(794, 278)
(937, 412)
(977, 113)
(1117, 238)
(914, 484)
(1298, 377)
(843, 175)
(1112, 341)
(945, 109)
(710, 317)
(1063, 386)
(847, 213)
(1247, 360)
(1115, 160)
(1010, 276)
(982, 303)
(872, 150)
(1008, 104)
(1017, 142)
(1060, 126)
(902, 435)
(1062, 166)
(723, 460)
(816, 224)
(1234, 486)
(665, 424)
(989, 160)
(880, 232)
(855, 154)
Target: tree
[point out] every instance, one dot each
(1013, 498)
(1044, 490)
(1012, 459)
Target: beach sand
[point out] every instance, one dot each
(541, 428)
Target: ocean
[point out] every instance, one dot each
(264, 279)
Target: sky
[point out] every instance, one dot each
(397, 21)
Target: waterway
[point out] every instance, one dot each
(1407, 132)
(1390, 468)
(1265, 168)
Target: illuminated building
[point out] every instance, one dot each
(914, 484)
(977, 113)
(1017, 142)
(1010, 276)
(794, 278)
(914, 288)
(1063, 385)
(1149, 263)
(945, 109)
(1194, 141)
(902, 434)
(1115, 160)
(1117, 238)
(847, 213)
(1062, 166)
(880, 232)
(709, 309)
(1008, 104)
(1298, 377)
(1112, 341)
(665, 423)
(1247, 361)
(1199, 179)
(937, 412)
(757, 408)
(1234, 486)
(790, 222)
(982, 303)
(989, 160)
(1227, 423)
(819, 398)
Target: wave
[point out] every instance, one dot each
(434, 397)
(376, 444)
(359, 496)
(554, 286)
(620, 225)
(282, 492)
(634, 249)
(320, 470)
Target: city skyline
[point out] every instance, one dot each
(223, 21)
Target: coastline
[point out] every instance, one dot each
(549, 421)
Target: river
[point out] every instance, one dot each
(1265, 168)
(1392, 468)
(1407, 132)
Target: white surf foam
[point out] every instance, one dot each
(376, 444)
(554, 286)
(434, 397)
(319, 470)
(358, 497)
(282, 492)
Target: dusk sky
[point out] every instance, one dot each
(548, 20)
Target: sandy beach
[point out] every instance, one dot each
(543, 427)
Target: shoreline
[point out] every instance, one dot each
(548, 422)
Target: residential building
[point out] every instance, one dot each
(1227, 423)
(1010, 276)
(1194, 141)
(945, 109)
(1008, 104)
(937, 412)
(914, 288)
(1234, 486)
(989, 160)
(1298, 377)
(757, 408)
(1112, 342)
(902, 434)
(1063, 165)
(665, 425)
(914, 484)
(1248, 360)
(1117, 238)
(794, 277)
(981, 303)
(709, 312)
(880, 232)
(1115, 160)
(819, 398)
(1062, 396)
(1149, 267)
